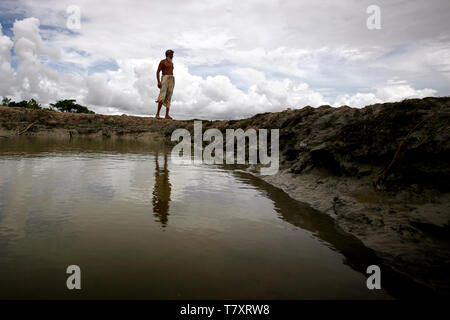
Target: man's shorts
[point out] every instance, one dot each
(167, 85)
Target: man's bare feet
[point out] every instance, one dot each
(157, 116)
(168, 117)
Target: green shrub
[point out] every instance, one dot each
(6, 101)
(70, 106)
(31, 104)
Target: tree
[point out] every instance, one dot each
(6, 101)
(70, 106)
(31, 104)
(62, 105)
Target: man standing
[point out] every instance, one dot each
(167, 84)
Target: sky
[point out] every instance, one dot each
(232, 59)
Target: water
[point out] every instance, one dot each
(142, 227)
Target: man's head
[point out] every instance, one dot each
(169, 54)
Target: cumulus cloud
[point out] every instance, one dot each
(6, 70)
(392, 90)
(132, 89)
(33, 79)
(232, 58)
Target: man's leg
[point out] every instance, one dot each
(167, 114)
(159, 109)
(170, 86)
(162, 95)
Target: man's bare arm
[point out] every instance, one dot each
(157, 74)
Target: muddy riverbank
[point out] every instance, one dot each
(381, 172)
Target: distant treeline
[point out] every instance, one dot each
(62, 105)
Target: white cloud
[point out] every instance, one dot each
(232, 58)
(33, 79)
(395, 90)
(6, 71)
(391, 91)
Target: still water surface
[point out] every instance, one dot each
(142, 227)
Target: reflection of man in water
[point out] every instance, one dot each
(161, 192)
